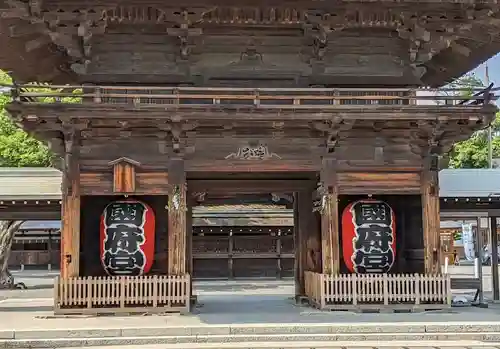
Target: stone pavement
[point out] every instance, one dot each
(233, 313)
(40, 284)
(322, 345)
(222, 303)
(260, 319)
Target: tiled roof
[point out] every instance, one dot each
(30, 183)
(41, 225)
(243, 207)
(45, 184)
(469, 183)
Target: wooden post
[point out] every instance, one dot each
(330, 234)
(494, 258)
(479, 254)
(70, 206)
(189, 234)
(307, 243)
(330, 219)
(298, 251)
(312, 235)
(430, 217)
(189, 244)
(177, 211)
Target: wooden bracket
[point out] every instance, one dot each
(178, 131)
(334, 129)
(124, 175)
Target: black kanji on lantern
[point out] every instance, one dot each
(124, 236)
(125, 213)
(373, 252)
(376, 212)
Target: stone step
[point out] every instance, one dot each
(255, 329)
(256, 339)
(319, 345)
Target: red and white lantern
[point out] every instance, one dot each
(368, 237)
(127, 238)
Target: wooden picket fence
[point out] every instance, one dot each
(122, 294)
(378, 291)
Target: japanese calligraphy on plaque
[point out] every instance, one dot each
(259, 152)
(127, 239)
(369, 237)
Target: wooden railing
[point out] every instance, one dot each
(380, 291)
(262, 98)
(122, 294)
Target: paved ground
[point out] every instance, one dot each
(40, 284)
(337, 345)
(231, 302)
(260, 303)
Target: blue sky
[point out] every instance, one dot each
(494, 69)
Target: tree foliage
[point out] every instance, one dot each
(473, 152)
(17, 148)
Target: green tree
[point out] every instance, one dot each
(473, 152)
(17, 149)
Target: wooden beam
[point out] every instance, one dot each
(431, 217)
(402, 113)
(330, 237)
(70, 206)
(247, 186)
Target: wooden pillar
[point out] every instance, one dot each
(177, 212)
(494, 258)
(298, 272)
(306, 239)
(189, 234)
(330, 234)
(330, 239)
(479, 254)
(189, 243)
(70, 206)
(430, 217)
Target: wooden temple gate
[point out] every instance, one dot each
(158, 104)
(386, 196)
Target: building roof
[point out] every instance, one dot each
(479, 183)
(30, 183)
(45, 184)
(40, 225)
